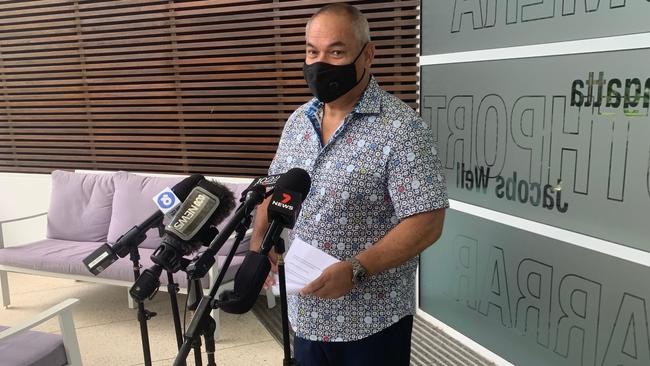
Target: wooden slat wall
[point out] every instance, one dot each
(168, 86)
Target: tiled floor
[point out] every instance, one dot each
(109, 333)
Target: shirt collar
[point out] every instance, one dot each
(369, 103)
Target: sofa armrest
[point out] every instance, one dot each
(63, 311)
(59, 309)
(22, 218)
(2, 222)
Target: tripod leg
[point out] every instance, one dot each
(286, 342)
(208, 336)
(172, 290)
(196, 346)
(143, 316)
(195, 294)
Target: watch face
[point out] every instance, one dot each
(358, 272)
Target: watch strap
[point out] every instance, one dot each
(359, 272)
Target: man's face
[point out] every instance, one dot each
(331, 39)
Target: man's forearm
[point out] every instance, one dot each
(406, 240)
(260, 225)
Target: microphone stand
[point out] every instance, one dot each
(172, 289)
(277, 242)
(202, 322)
(194, 294)
(143, 314)
(128, 243)
(194, 286)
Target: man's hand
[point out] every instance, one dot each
(334, 282)
(270, 280)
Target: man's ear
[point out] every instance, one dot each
(370, 54)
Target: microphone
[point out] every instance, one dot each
(259, 184)
(106, 254)
(194, 225)
(290, 191)
(267, 182)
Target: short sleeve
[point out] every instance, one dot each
(416, 181)
(277, 167)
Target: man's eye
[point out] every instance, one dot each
(337, 53)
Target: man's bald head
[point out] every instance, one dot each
(354, 16)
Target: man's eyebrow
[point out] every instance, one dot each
(335, 44)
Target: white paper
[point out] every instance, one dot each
(302, 264)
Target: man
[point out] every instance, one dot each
(377, 200)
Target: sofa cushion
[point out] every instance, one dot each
(133, 203)
(32, 348)
(80, 206)
(65, 257)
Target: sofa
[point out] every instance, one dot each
(88, 209)
(20, 345)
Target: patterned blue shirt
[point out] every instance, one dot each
(380, 166)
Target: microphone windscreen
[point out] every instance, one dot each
(248, 283)
(183, 188)
(226, 200)
(194, 225)
(296, 180)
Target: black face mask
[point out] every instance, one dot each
(328, 82)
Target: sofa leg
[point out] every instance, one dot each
(270, 298)
(215, 316)
(4, 289)
(130, 300)
(212, 274)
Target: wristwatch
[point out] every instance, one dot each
(359, 273)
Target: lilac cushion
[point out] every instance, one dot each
(32, 348)
(80, 206)
(65, 257)
(133, 203)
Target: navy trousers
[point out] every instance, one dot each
(390, 347)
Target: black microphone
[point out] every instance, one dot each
(290, 191)
(194, 225)
(106, 254)
(266, 182)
